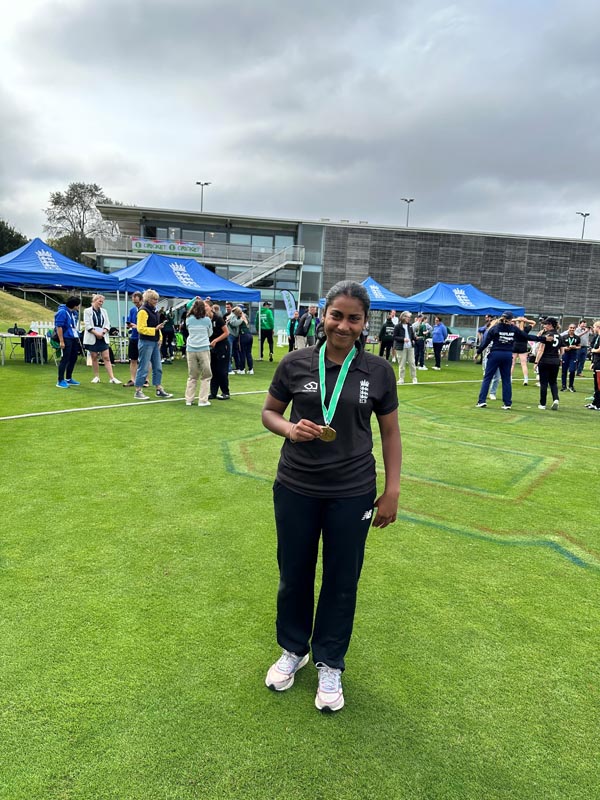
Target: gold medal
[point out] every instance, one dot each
(327, 434)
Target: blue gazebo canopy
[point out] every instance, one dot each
(38, 264)
(180, 277)
(459, 298)
(383, 299)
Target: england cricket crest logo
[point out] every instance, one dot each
(364, 392)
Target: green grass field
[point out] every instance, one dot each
(138, 581)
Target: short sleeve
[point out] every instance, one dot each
(280, 387)
(387, 400)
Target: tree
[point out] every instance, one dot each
(10, 239)
(73, 218)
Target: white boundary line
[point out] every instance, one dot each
(139, 403)
(176, 400)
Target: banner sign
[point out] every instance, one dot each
(167, 247)
(290, 303)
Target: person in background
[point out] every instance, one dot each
(168, 336)
(547, 358)
(66, 322)
(219, 356)
(149, 329)
(305, 333)
(231, 339)
(95, 339)
(584, 333)
(291, 331)
(404, 345)
(386, 337)
(197, 353)
(594, 349)
(245, 340)
(501, 337)
(395, 321)
(570, 354)
(422, 331)
(520, 348)
(438, 337)
(132, 347)
(267, 324)
(325, 488)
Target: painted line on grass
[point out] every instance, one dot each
(473, 534)
(139, 403)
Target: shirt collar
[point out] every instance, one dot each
(358, 362)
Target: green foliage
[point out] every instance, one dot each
(73, 218)
(10, 238)
(138, 580)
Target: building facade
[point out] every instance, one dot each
(548, 276)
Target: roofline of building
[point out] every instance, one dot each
(106, 209)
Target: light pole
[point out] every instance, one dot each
(408, 201)
(583, 214)
(202, 184)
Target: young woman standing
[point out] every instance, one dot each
(326, 487)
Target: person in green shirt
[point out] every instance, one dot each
(267, 324)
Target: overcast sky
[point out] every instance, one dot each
(485, 112)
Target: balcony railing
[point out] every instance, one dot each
(215, 252)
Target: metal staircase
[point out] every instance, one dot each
(292, 256)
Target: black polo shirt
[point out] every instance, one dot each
(346, 466)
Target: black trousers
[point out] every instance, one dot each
(219, 364)
(268, 335)
(437, 352)
(343, 524)
(69, 359)
(548, 375)
(420, 352)
(385, 349)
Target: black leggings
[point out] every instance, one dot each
(548, 375)
(301, 521)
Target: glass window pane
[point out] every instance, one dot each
(240, 238)
(283, 241)
(262, 242)
(193, 236)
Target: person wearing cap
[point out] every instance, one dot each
(267, 324)
(500, 338)
(547, 359)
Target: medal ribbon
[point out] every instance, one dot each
(328, 413)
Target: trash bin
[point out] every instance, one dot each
(454, 349)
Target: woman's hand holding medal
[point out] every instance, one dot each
(305, 431)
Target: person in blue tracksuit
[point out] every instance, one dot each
(501, 337)
(66, 322)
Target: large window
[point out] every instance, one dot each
(262, 243)
(193, 236)
(283, 241)
(240, 238)
(310, 284)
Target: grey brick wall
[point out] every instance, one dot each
(545, 275)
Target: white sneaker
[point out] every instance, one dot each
(492, 397)
(542, 408)
(241, 372)
(399, 383)
(415, 380)
(203, 402)
(250, 372)
(423, 367)
(281, 675)
(95, 380)
(114, 380)
(330, 696)
(438, 368)
(555, 405)
(481, 405)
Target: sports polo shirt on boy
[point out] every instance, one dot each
(346, 466)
